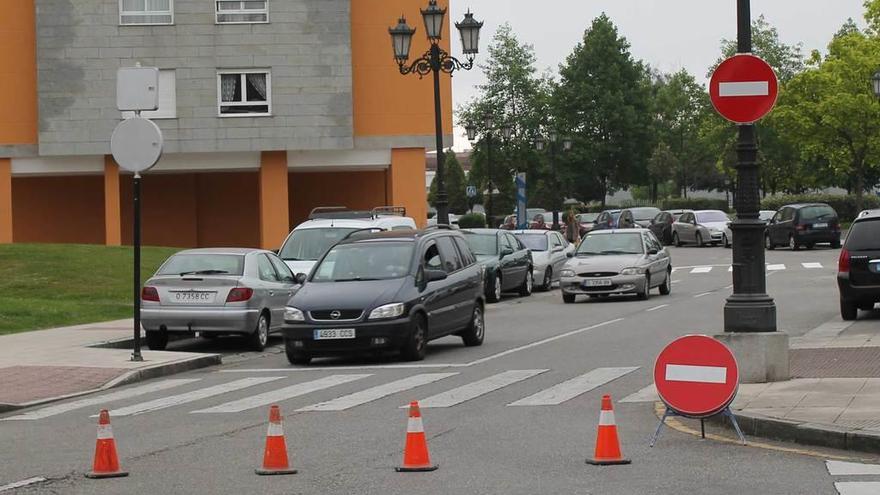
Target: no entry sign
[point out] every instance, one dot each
(696, 376)
(744, 88)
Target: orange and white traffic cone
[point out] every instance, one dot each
(607, 443)
(106, 464)
(415, 454)
(275, 454)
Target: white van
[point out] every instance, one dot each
(329, 225)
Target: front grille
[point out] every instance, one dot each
(597, 274)
(344, 314)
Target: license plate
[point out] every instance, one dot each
(597, 283)
(820, 225)
(334, 334)
(193, 297)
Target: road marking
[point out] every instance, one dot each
(203, 393)
(775, 268)
(744, 88)
(281, 394)
(477, 388)
(22, 483)
(655, 308)
(100, 399)
(376, 393)
(702, 269)
(729, 268)
(647, 394)
(704, 294)
(696, 374)
(840, 468)
(858, 487)
(812, 265)
(347, 368)
(570, 389)
(676, 281)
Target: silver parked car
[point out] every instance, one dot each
(700, 227)
(763, 215)
(609, 262)
(549, 252)
(215, 292)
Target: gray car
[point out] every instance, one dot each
(549, 252)
(700, 227)
(609, 262)
(215, 292)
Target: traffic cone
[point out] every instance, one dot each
(106, 463)
(607, 443)
(275, 454)
(415, 454)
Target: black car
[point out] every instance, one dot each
(641, 216)
(387, 291)
(661, 226)
(803, 225)
(858, 270)
(607, 220)
(505, 259)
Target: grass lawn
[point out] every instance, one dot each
(53, 285)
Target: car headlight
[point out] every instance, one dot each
(567, 273)
(631, 271)
(293, 314)
(394, 310)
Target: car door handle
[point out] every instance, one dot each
(271, 292)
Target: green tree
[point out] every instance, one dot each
(456, 188)
(661, 167)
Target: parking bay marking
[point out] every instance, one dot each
(477, 388)
(376, 393)
(570, 389)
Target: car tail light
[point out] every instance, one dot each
(239, 294)
(843, 261)
(150, 294)
(800, 227)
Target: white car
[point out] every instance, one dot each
(700, 227)
(550, 251)
(763, 215)
(327, 226)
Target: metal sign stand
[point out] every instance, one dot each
(136, 238)
(724, 412)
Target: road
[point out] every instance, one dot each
(345, 428)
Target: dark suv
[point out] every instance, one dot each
(803, 225)
(858, 269)
(387, 291)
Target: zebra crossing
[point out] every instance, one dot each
(178, 393)
(851, 469)
(770, 267)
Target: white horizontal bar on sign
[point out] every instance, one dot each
(376, 393)
(697, 374)
(570, 389)
(477, 388)
(745, 88)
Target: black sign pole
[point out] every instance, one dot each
(136, 355)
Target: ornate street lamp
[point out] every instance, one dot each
(435, 61)
(875, 81)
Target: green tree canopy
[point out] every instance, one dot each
(456, 188)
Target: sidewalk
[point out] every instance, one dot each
(46, 365)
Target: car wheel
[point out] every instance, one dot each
(476, 330)
(667, 239)
(666, 287)
(699, 239)
(260, 336)
(835, 244)
(866, 306)
(568, 298)
(646, 294)
(548, 279)
(294, 356)
(676, 240)
(793, 243)
(528, 284)
(848, 311)
(725, 240)
(493, 295)
(768, 244)
(810, 245)
(417, 343)
(157, 340)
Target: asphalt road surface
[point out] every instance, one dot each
(516, 416)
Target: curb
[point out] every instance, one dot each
(136, 375)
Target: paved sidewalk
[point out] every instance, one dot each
(46, 365)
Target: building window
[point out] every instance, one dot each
(146, 12)
(167, 98)
(242, 11)
(244, 93)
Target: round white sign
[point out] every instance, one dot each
(136, 144)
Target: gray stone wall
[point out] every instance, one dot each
(306, 45)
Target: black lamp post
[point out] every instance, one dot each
(540, 145)
(435, 61)
(506, 132)
(875, 82)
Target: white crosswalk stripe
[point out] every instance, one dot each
(376, 393)
(477, 388)
(647, 394)
(570, 389)
(281, 394)
(811, 265)
(701, 269)
(100, 400)
(204, 393)
(841, 468)
(775, 268)
(858, 487)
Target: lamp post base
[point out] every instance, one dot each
(761, 357)
(749, 313)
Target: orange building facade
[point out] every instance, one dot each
(351, 131)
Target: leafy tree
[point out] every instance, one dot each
(456, 188)
(661, 167)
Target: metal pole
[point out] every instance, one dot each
(442, 202)
(749, 309)
(136, 193)
(489, 173)
(556, 201)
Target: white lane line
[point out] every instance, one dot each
(729, 268)
(695, 374)
(203, 393)
(858, 487)
(812, 265)
(841, 468)
(477, 388)
(647, 394)
(22, 483)
(775, 268)
(728, 286)
(702, 269)
(744, 88)
(376, 393)
(655, 308)
(704, 294)
(282, 394)
(676, 281)
(570, 389)
(101, 399)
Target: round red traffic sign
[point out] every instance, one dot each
(744, 88)
(696, 376)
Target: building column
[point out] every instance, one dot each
(5, 200)
(406, 183)
(112, 208)
(274, 206)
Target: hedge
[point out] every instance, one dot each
(668, 204)
(472, 221)
(845, 206)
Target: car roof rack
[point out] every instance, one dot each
(372, 230)
(395, 211)
(337, 212)
(440, 226)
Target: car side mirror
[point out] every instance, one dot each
(653, 251)
(300, 278)
(506, 252)
(434, 275)
(569, 255)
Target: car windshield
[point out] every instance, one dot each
(482, 244)
(644, 213)
(365, 261)
(712, 216)
(766, 215)
(310, 244)
(587, 217)
(535, 242)
(864, 236)
(203, 264)
(813, 213)
(609, 244)
(614, 214)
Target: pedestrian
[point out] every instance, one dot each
(573, 227)
(539, 223)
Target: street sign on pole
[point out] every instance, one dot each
(743, 89)
(471, 191)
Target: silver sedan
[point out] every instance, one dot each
(630, 261)
(215, 292)
(549, 253)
